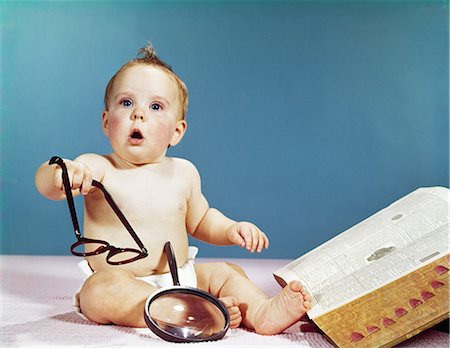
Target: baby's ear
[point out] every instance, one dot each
(178, 133)
(105, 125)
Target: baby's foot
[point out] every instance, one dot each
(232, 305)
(278, 313)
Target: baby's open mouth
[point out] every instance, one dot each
(136, 134)
(135, 137)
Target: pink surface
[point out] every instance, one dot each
(36, 300)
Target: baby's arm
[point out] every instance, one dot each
(48, 178)
(218, 229)
(211, 226)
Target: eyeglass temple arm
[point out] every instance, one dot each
(68, 190)
(120, 215)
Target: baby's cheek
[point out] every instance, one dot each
(113, 124)
(163, 134)
(111, 127)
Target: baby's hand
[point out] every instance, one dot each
(247, 235)
(80, 177)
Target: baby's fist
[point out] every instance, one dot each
(80, 177)
(247, 235)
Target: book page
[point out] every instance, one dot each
(406, 235)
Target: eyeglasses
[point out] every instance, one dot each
(115, 256)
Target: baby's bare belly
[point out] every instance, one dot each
(155, 262)
(156, 217)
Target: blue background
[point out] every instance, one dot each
(304, 117)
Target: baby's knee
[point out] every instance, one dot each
(105, 282)
(99, 291)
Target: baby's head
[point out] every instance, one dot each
(145, 109)
(148, 56)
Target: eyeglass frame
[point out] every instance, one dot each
(81, 240)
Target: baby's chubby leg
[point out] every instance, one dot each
(265, 315)
(115, 297)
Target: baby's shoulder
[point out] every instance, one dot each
(184, 166)
(182, 163)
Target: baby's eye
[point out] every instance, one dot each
(156, 106)
(126, 102)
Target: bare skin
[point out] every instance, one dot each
(162, 199)
(117, 297)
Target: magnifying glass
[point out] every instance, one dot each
(185, 314)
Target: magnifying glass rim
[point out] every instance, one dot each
(166, 335)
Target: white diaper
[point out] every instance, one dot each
(186, 276)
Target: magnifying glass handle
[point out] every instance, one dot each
(172, 263)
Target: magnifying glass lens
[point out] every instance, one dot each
(187, 315)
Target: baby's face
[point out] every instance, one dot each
(142, 119)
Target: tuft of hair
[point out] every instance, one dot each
(148, 55)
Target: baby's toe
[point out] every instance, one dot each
(235, 320)
(229, 301)
(234, 310)
(296, 286)
(307, 305)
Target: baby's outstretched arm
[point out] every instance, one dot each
(48, 178)
(216, 228)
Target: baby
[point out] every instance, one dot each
(145, 113)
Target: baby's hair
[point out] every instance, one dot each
(147, 55)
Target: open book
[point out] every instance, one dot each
(370, 273)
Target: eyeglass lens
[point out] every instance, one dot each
(87, 247)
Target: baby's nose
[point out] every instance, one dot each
(137, 115)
